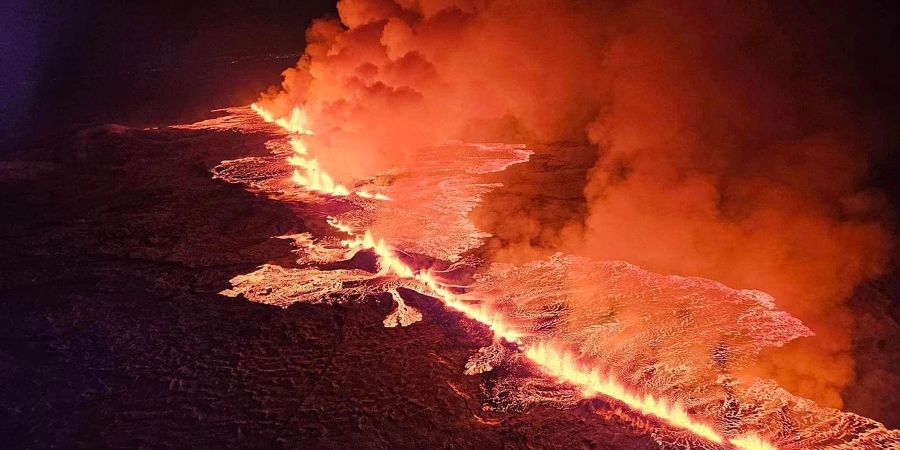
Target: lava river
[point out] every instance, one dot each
(665, 348)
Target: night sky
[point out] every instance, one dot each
(141, 62)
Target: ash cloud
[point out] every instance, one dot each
(724, 139)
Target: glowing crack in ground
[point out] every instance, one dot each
(671, 348)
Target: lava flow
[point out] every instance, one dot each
(604, 328)
(551, 361)
(308, 173)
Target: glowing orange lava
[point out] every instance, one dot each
(389, 263)
(308, 173)
(751, 442)
(551, 361)
(592, 382)
(544, 355)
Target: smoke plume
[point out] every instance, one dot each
(723, 142)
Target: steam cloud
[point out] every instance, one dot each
(724, 144)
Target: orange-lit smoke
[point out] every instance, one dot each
(725, 153)
(724, 147)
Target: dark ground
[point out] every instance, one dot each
(67, 63)
(112, 334)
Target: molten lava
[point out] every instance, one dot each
(662, 346)
(308, 173)
(564, 366)
(551, 361)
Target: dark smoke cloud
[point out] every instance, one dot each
(724, 141)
